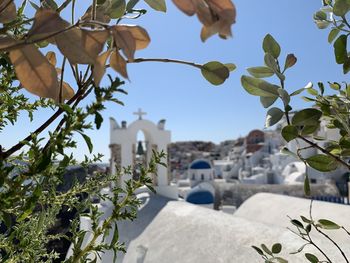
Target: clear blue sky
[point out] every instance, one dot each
(194, 109)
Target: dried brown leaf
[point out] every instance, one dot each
(6, 42)
(8, 11)
(139, 34)
(59, 71)
(125, 41)
(100, 67)
(67, 91)
(101, 15)
(186, 6)
(81, 46)
(226, 13)
(118, 63)
(46, 22)
(35, 72)
(51, 57)
(204, 14)
(217, 16)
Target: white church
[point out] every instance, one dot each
(169, 230)
(127, 151)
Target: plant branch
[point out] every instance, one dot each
(61, 80)
(165, 60)
(28, 41)
(46, 124)
(77, 101)
(63, 6)
(324, 234)
(315, 145)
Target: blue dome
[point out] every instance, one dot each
(200, 164)
(200, 197)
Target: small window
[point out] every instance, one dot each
(202, 177)
(193, 176)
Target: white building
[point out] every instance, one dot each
(123, 145)
(200, 171)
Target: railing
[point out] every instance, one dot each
(332, 199)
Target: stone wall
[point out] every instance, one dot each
(235, 194)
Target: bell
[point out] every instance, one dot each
(140, 150)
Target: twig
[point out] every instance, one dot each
(325, 151)
(325, 235)
(61, 81)
(63, 6)
(165, 60)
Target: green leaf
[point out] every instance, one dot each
(305, 219)
(286, 151)
(281, 260)
(333, 34)
(158, 5)
(260, 72)
(7, 219)
(334, 85)
(284, 96)
(98, 120)
(290, 61)
(289, 133)
(340, 50)
(276, 248)
(312, 91)
(322, 24)
(44, 161)
(88, 141)
(309, 85)
(322, 163)
(215, 72)
(273, 116)
(297, 92)
(346, 66)
(344, 142)
(35, 6)
(341, 7)
(230, 66)
(307, 190)
(327, 224)
(259, 87)
(115, 235)
(271, 62)
(117, 9)
(297, 223)
(264, 247)
(299, 249)
(268, 101)
(131, 4)
(320, 15)
(320, 87)
(66, 108)
(308, 116)
(271, 46)
(308, 99)
(309, 129)
(311, 257)
(260, 252)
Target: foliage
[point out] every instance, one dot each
(332, 108)
(32, 170)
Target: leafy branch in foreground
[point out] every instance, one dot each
(35, 197)
(303, 125)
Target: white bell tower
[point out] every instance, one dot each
(124, 149)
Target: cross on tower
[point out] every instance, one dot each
(140, 113)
